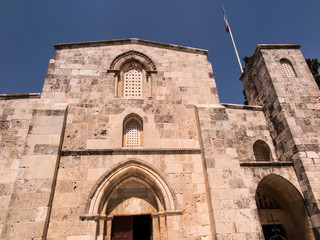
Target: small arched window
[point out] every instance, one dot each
(261, 151)
(132, 131)
(287, 68)
(132, 87)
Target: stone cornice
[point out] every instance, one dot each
(130, 151)
(267, 164)
(19, 96)
(239, 106)
(130, 41)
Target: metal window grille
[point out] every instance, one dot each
(133, 83)
(259, 155)
(287, 69)
(261, 151)
(133, 134)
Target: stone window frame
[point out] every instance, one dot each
(287, 68)
(132, 59)
(261, 151)
(127, 123)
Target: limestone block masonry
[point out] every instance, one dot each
(128, 140)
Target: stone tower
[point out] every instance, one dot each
(128, 140)
(278, 79)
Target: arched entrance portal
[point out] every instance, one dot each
(132, 204)
(281, 209)
(132, 201)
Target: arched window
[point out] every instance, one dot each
(132, 87)
(287, 68)
(132, 75)
(261, 151)
(132, 131)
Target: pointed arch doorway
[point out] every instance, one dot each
(133, 202)
(281, 210)
(131, 207)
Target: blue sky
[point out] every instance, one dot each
(28, 29)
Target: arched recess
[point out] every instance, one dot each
(123, 58)
(132, 133)
(138, 171)
(287, 68)
(131, 189)
(277, 198)
(132, 75)
(261, 151)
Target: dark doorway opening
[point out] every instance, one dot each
(142, 227)
(131, 228)
(269, 232)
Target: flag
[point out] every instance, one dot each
(225, 20)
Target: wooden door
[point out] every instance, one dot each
(122, 228)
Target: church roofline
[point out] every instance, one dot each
(130, 41)
(270, 47)
(277, 46)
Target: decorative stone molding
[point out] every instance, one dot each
(124, 171)
(130, 151)
(130, 41)
(133, 55)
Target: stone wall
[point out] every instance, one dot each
(78, 175)
(15, 119)
(228, 133)
(196, 175)
(31, 138)
(78, 73)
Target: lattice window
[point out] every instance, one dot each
(132, 133)
(133, 83)
(287, 68)
(261, 151)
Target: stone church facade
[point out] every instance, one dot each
(128, 140)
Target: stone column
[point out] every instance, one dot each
(149, 79)
(163, 226)
(100, 228)
(108, 228)
(155, 227)
(116, 81)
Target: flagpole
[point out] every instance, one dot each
(235, 48)
(228, 28)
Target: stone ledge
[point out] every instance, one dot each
(238, 106)
(130, 41)
(279, 46)
(130, 151)
(19, 96)
(267, 164)
(88, 217)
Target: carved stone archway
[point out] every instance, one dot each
(111, 196)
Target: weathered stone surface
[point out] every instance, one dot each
(196, 172)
